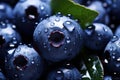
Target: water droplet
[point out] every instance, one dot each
(31, 16)
(44, 45)
(69, 26)
(11, 51)
(16, 75)
(46, 30)
(57, 19)
(59, 75)
(117, 64)
(13, 26)
(115, 38)
(106, 61)
(99, 37)
(39, 32)
(68, 41)
(42, 7)
(70, 16)
(36, 23)
(118, 59)
(113, 57)
(52, 23)
(59, 14)
(105, 29)
(18, 49)
(32, 62)
(90, 29)
(11, 45)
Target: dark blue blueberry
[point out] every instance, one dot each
(103, 16)
(115, 10)
(58, 38)
(27, 15)
(10, 2)
(112, 56)
(108, 78)
(6, 12)
(9, 38)
(97, 36)
(23, 63)
(117, 31)
(2, 77)
(65, 73)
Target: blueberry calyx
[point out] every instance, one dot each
(31, 13)
(56, 38)
(2, 40)
(20, 62)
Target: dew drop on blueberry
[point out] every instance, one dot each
(59, 75)
(52, 23)
(69, 26)
(42, 8)
(90, 29)
(115, 38)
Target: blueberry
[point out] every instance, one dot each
(97, 36)
(2, 77)
(112, 56)
(103, 16)
(23, 63)
(115, 10)
(58, 38)
(117, 31)
(27, 15)
(9, 38)
(10, 2)
(107, 78)
(65, 73)
(6, 12)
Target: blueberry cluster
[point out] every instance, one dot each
(36, 44)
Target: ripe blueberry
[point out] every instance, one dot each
(23, 63)
(103, 16)
(58, 38)
(97, 36)
(65, 73)
(112, 56)
(6, 12)
(27, 15)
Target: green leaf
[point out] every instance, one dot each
(91, 67)
(83, 14)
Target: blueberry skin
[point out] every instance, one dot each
(58, 38)
(112, 56)
(9, 37)
(103, 16)
(6, 12)
(28, 13)
(117, 31)
(2, 77)
(97, 36)
(24, 63)
(10, 2)
(115, 10)
(64, 73)
(107, 78)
